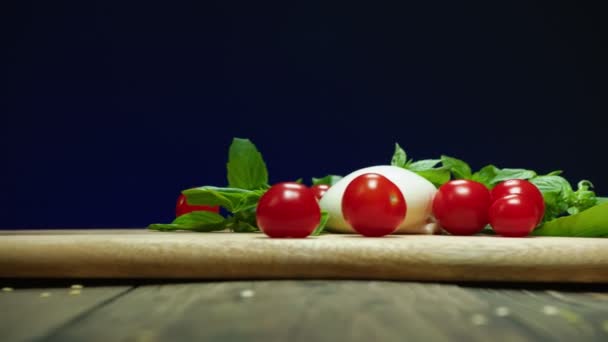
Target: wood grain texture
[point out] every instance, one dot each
(334, 311)
(141, 254)
(552, 315)
(27, 314)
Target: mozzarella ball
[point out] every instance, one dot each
(417, 191)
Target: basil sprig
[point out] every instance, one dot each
(247, 177)
(560, 198)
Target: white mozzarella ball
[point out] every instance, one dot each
(417, 192)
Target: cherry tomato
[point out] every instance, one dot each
(514, 215)
(319, 190)
(520, 187)
(182, 207)
(373, 205)
(461, 206)
(288, 210)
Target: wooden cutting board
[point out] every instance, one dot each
(222, 255)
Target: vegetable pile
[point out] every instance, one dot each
(559, 196)
(401, 197)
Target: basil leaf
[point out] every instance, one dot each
(244, 227)
(423, 165)
(399, 157)
(329, 180)
(551, 183)
(247, 215)
(168, 227)
(199, 218)
(246, 167)
(437, 176)
(582, 198)
(200, 221)
(555, 205)
(457, 167)
(592, 222)
(232, 199)
(249, 201)
(426, 168)
(557, 193)
(506, 174)
(321, 227)
(485, 175)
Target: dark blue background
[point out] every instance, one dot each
(109, 110)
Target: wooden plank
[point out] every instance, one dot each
(141, 254)
(27, 314)
(553, 315)
(146, 312)
(47, 232)
(327, 311)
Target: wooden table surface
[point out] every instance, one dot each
(304, 310)
(131, 309)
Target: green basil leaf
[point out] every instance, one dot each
(246, 167)
(167, 227)
(485, 175)
(423, 165)
(557, 193)
(584, 185)
(247, 215)
(437, 176)
(583, 198)
(506, 174)
(200, 221)
(573, 210)
(244, 227)
(399, 157)
(199, 218)
(329, 180)
(592, 222)
(551, 183)
(555, 205)
(249, 201)
(321, 227)
(232, 199)
(555, 173)
(457, 167)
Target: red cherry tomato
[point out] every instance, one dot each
(182, 207)
(520, 187)
(514, 215)
(319, 190)
(461, 206)
(288, 210)
(373, 205)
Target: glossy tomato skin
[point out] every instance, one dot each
(288, 210)
(520, 187)
(461, 206)
(514, 215)
(373, 205)
(182, 207)
(319, 190)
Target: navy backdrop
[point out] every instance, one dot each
(109, 110)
